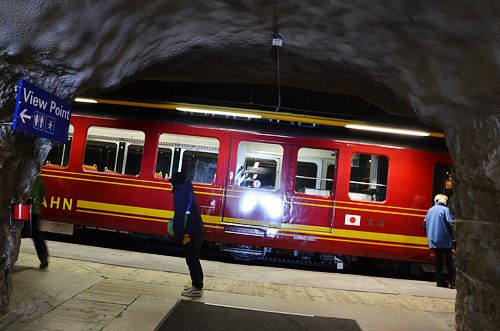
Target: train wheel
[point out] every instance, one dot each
(245, 253)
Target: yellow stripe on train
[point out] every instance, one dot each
(233, 196)
(164, 215)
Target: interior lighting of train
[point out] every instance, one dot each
(218, 112)
(388, 130)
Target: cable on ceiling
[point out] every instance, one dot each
(277, 40)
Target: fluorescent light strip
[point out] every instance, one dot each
(218, 112)
(86, 100)
(388, 130)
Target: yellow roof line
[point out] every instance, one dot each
(282, 116)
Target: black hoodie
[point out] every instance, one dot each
(194, 224)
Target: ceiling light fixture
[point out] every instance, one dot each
(86, 100)
(218, 112)
(387, 130)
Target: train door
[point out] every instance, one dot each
(255, 195)
(312, 192)
(442, 183)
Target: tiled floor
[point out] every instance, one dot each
(95, 292)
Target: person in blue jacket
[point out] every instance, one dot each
(440, 236)
(191, 233)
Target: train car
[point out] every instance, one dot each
(259, 190)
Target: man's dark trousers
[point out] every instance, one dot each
(192, 251)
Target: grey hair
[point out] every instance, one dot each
(441, 198)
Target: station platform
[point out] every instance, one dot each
(92, 288)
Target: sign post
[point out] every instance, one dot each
(40, 113)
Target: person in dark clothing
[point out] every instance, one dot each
(190, 234)
(40, 246)
(440, 236)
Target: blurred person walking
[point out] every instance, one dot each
(38, 238)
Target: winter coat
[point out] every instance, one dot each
(438, 231)
(194, 224)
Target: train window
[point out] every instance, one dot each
(368, 177)
(112, 150)
(315, 170)
(100, 155)
(196, 157)
(199, 166)
(259, 165)
(134, 159)
(163, 162)
(59, 154)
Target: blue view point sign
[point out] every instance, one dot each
(40, 113)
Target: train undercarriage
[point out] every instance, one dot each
(236, 252)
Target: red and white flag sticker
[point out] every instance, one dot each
(352, 220)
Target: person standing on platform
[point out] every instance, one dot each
(437, 225)
(40, 246)
(190, 232)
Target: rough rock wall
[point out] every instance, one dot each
(436, 60)
(476, 152)
(21, 156)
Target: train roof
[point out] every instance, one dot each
(266, 126)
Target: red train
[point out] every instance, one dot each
(258, 191)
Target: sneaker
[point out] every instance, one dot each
(192, 292)
(452, 285)
(44, 265)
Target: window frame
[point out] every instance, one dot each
(353, 195)
(170, 166)
(113, 138)
(276, 157)
(321, 169)
(179, 147)
(181, 162)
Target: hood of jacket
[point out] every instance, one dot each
(186, 186)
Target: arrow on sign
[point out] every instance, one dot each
(23, 115)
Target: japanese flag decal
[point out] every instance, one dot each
(352, 220)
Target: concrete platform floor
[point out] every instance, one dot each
(90, 288)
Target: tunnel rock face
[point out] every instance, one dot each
(21, 157)
(433, 60)
(476, 203)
